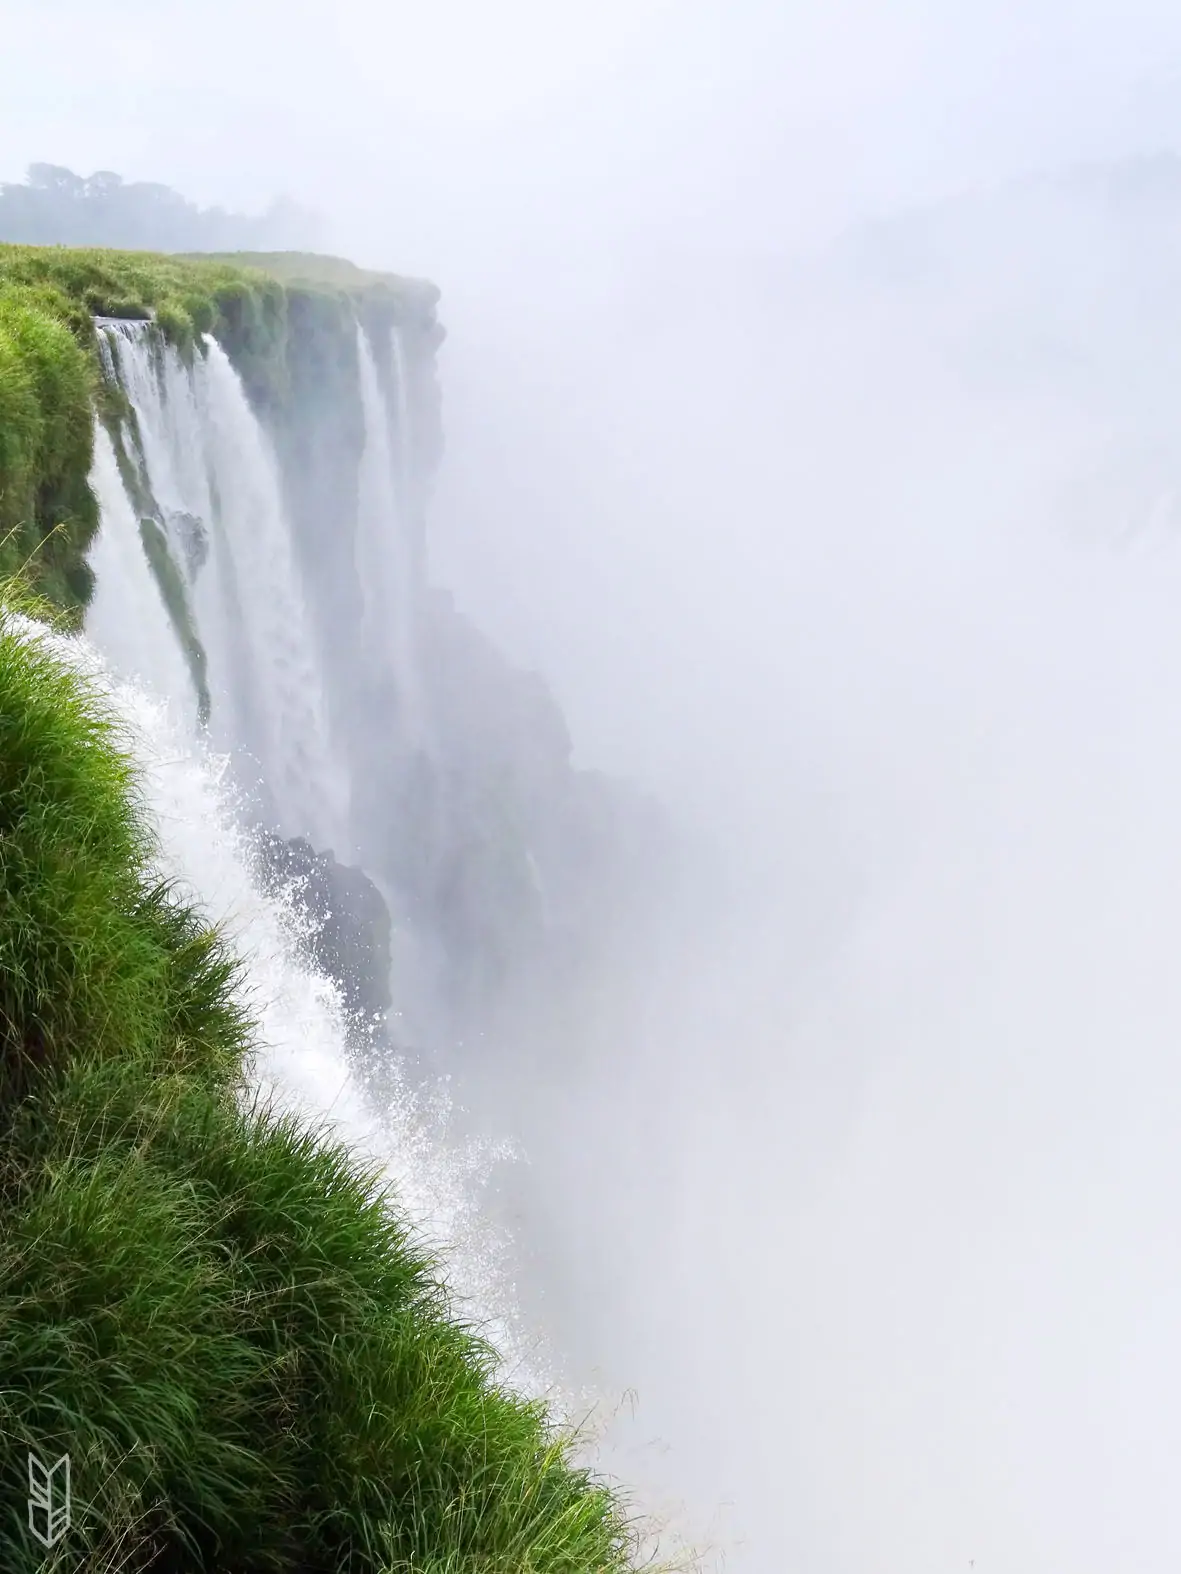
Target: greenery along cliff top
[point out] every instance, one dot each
(240, 298)
(257, 305)
(311, 268)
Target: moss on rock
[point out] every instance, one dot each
(174, 592)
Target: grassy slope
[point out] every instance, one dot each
(215, 1312)
(221, 1320)
(49, 368)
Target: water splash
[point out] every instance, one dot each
(302, 1063)
(252, 530)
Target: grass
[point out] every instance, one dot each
(48, 515)
(311, 270)
(185, 295)
(223, 1320)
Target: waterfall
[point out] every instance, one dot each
(207, 475)
(193, 463)
(404, 465)
(252, 529)
(127, 617)
(385, 557)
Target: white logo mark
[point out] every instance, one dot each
(49, 1499)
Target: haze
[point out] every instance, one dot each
(864, 1178)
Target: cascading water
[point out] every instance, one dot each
(205, 462)
(141, 645)
(404, 467)
(298, 764)
(385, 561)
(199, 456)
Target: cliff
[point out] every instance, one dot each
(463, 805)
(224, 1321)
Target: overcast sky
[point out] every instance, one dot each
(723, 121)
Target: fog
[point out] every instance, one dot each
(861, 551)
(882, 1181)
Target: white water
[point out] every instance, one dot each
(173, 451)
(302, 1064)
(298, 763)
(406, 543)
(206, 455)
(127, 618)
(404, 467)
(384, 558)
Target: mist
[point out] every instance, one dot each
(856, 543)
(871, 1203)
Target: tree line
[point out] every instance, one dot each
(55, 207)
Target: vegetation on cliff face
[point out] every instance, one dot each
(47, 512)
(284, 319)
(225, 1323)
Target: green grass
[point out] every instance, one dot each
(214, 1310)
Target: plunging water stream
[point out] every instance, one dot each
(206, 466)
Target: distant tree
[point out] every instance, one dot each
(55, 207)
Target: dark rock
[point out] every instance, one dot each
(191, 536)
(350, 923)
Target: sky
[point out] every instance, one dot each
(426, 130)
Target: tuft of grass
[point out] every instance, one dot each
(223, 1319)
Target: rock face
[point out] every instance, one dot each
(349, 923)
(521, 864)
(500, 859)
